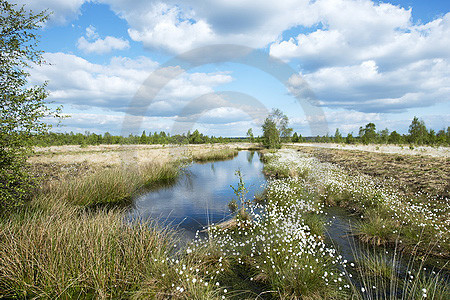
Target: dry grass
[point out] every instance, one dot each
(66, 253)
(56, 248)
(433, 151)
(112, 185)
(215, 155)
(410, 173)
(129, 154)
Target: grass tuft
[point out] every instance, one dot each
(214, 155)
(113, 185)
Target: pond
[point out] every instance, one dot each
(201, 194)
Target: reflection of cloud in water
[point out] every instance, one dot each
(201, 195)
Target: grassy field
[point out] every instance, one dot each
(73, 239)
(414, 229)
(411, 174)
(420, 218)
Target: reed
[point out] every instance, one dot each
(213, 155)
(113, 185)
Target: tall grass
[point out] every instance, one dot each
(113, 185)
(68, 253)
(390, 274)
(212, 155)
(55, 248)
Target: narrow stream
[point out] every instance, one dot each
(200, 197)
(201, 194)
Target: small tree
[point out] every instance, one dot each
(350, 139)
(368, 134)
(22, 108)
(250, 135)
(395, 138)
(384, 136)
(418, 133)
(337, 136)
(275, 128)
(143, 139)
(271, 135)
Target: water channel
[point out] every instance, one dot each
(200, 197)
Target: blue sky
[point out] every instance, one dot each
(364, 61)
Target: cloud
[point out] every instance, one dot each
(360, 55)
(62, 10)
(179, 26)
(357, 31)
(365, 88)
(82, 84)
(92, 43)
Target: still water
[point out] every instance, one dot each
(201, 193)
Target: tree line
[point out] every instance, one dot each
(418, 134)
(275, 132)
(88, 138)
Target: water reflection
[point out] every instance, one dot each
(200, 195)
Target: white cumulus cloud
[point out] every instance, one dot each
(92, 43)
(80, 83)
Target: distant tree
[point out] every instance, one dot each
(384, 136)
(350, 139)
(107, 138)
(361, 131)
(143, 139)
(369, 134)
(196, 138)
(442, 137)
(23, 107)
(337, 136)
(418, 133)
(395, 138)
(295, 138)
(274, 128)
(281, 122)
(432, 137)
(250, 135)
(271, 135)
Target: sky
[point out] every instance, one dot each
(114, 65)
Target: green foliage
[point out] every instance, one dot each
(337, 136)
(250, 135)
(297, 138)
(418, 133)
(88, 138)
(368, 134)
(270, 134)
(384, 136)
(275, 128)
(22, 107)
(395, 138)
(214, 155)
(350, 139)
(114, 185)
(240, 191)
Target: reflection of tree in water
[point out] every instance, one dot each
(250, 155)
(213, 168)
(188, 179)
